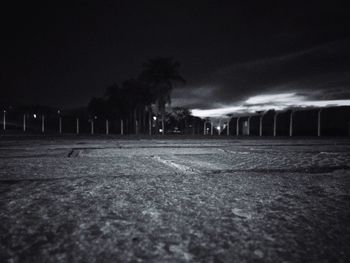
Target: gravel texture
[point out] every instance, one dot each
(111, 200)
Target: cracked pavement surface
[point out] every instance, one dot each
(175, 200)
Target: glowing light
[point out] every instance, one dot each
(34, 115)
(154, 118)
(160, 130)
(218, 127)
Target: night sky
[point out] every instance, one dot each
(63, 54)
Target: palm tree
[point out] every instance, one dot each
(182, 116)
(160, 74)
(129, 101)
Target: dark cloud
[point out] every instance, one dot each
(321, 72)
(63, 53)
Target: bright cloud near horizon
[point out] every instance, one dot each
(279, 101)
(313, 77)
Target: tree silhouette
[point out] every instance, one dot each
(97, 107)
(118, 102)
(160, 74)
(127, 102)
(130, 101)
(182, 116)
(139, 96)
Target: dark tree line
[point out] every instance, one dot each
(132, 101)
(136, 105)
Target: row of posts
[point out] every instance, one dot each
(60, 124)
(91, 124)
(261, 125)
(204, 130)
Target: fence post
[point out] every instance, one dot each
(121, 127)
(60, 124)
(77, 123)
(4, 121)
(291, 123)
(275, 124)
(249, 125)
(163, 125)
(150, 121)
(237, 126)
(319, 122)
(228, 127)
(24, 122)
(107, 127)
(42, 123)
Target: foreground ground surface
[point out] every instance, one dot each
(111, 200)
